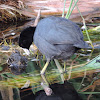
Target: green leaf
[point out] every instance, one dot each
(1, 68)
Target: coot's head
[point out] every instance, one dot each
(26, 37)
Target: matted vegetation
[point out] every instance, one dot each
(10, 10)
(9, 13)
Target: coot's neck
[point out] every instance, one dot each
(33, 29)
(32, 35)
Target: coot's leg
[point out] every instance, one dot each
(45, 80)
(65, 66)
(69, 76)
(47, 89)
(43, 71)
(45, 67)
(58, 66)
(60, 69)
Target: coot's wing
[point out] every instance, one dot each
(56, 30)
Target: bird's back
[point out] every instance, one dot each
(55, 35)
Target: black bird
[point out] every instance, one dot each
(55, 37)
(42, 96)
(64, 91)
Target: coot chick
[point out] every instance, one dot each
(17, 63)
(64, 91)
(55, 37)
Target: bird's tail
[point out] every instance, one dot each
(82, 44)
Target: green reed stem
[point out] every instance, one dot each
(72, 9)
(69, 9)
(64, 8)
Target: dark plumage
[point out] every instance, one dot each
(55, 37)
(26, 37)
(60, 92)
(42, 96)
(58, 38)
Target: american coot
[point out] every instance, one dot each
(55, 37)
